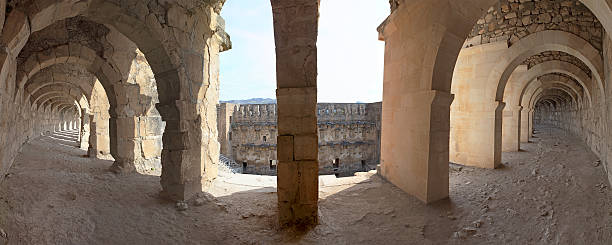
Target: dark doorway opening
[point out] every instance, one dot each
(272, 165)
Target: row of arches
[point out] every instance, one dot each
(494, 95)
(126, 64)
(91, 60)
(75, 59)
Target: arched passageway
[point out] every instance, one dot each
(490, 55)
(463, 81)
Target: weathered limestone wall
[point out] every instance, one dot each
(148, 124)
(20, 123)
(511, 121)
(475, 120)
(99, 137)
(349, 137)
(225, 112)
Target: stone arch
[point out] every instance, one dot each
(527, 100)
(568, 89)
(467, 141)
(76, 93)
(536, 87)
(49, 96)
(178, 50)
(178, 61)
(417, 80)
(557, 99)
(603, 11)
(557, 67)
(63, 107)
(36, 87)
(53, 104)
(546, 41)
(71, 54)
(541, 92)
(555, 79)
(565, 91)
(411, 57)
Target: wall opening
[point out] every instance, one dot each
(347, 127)
(272, 164)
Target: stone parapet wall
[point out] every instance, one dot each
(348, 134)
(255, 113)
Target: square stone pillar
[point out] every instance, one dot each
(511, 129)
(182, 153)
(476, 135)
(414, 143)
(525, 125)
(188, 96)
(92, 149)
(295, 32)
(531, 114)
(123, 143)
(84, 132)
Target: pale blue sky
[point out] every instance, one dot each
(350, 57)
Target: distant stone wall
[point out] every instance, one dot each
(349, 137)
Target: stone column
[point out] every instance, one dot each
(123, 142)
(476, 135)
(92, 149)
(531, 114)
(414, 153)
(99, 135)
(188, 96)
(511, 129)
(525, 125)
(84, 132)
(295, 32)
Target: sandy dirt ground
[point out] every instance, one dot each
(552, 192)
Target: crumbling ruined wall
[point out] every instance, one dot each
(349, 136)
(99, 137)
(149, 124)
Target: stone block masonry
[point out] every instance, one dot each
(349, 137)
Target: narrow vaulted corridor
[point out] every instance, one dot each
(553, 192)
